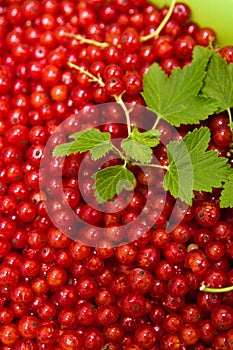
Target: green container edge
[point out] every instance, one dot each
(215, 14)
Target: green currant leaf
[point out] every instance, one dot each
(137, 151)
(177, 98)
(111, 181)
(77, 134)
(138, 145)
(93, 140)
(65, 149)
(148, 138)
(218, 82)
(101, 149)
(192, 167)
(226, 198)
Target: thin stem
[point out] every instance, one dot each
(156, 122)
(122, 104)
(101, 83)
(119, 152)
(151, 165)
(203, 288)
(230, 117)
(91, 76)
(156, 33)
(87, 41)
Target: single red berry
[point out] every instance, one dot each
(6, 316)
(178, 286)
(9, 335)
(168, 64)
(114, 86)
(197, 262)
(69, 339)
(181, 13)
(93, 339)
(209, 301)
(86, 287)
(172, 323)
(106, 315)
(207, 214)
(133, 83)
(56, 277)
(229, 339)
(132, 305)
(205, 37)
(171, 342)
(175, 252)
(145, 336)
(222, 317)
(189, 333)
(227, 53)
(140, 280)
(183, 47)
(86, 313)
(206, 331)
(26, 211)
(130, 40)
(163, 47)
(222, 137)
(59, 92)
(126, 253)
(28, 326)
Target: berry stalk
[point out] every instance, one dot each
(162, 24)
(87, 41)
(230, 118)
(203, 288)
(91, 76)
(151, 165)
(99, 80)
(126, 111)
(104, 45)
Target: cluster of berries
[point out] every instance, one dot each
(60, 294)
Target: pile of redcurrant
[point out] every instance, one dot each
(147, 290)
